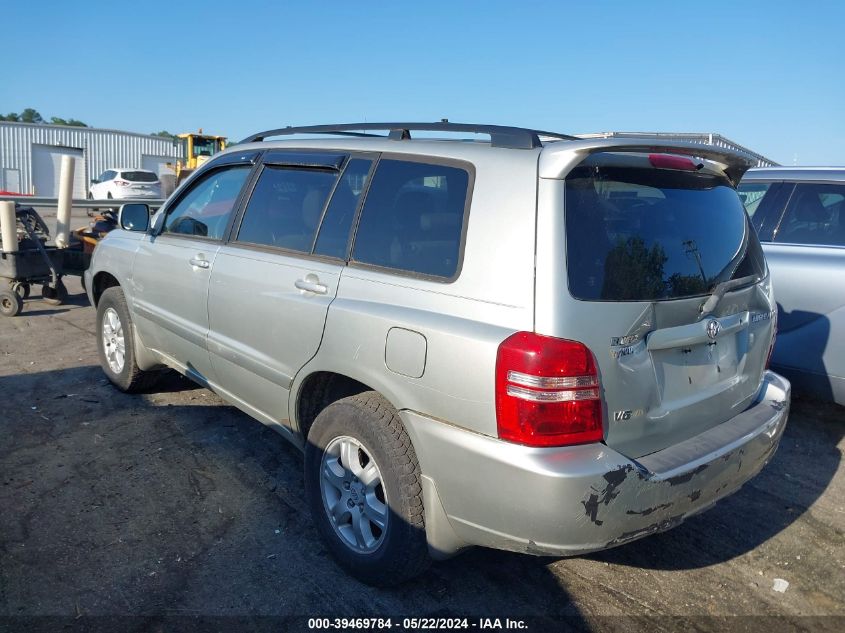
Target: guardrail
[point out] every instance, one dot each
(36, 201)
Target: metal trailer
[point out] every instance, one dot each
(33, 263)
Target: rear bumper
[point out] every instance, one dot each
(139, 195)
(567, 501)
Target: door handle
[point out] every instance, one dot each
(199, 263)
(311, 283)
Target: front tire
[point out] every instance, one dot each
(362, 481)
(10, 303)
(115, 344)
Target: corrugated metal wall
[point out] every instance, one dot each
(102, 149)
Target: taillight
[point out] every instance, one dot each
(547, 391)
(668, 161)
(121, 183)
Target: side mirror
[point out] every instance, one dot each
(95, 181)
(134, 217)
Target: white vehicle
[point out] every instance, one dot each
(125, 183)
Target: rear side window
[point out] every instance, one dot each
(139, 176)
(815, 215)
(413, 218)
(285, 208)
(641, 234)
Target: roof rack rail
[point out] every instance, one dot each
(500, 135)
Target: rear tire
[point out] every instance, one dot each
(10, 303)
(376, 532)
(115, 344)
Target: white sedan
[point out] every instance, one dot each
(125, 183)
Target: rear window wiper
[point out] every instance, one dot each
(720, 289)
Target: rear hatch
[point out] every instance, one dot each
(666, 283)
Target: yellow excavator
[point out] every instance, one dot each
(197, 148)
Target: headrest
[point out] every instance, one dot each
(434, 221)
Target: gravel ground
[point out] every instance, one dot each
(175, 504)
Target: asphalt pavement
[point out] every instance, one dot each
(173, 504)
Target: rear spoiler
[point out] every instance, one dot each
(558, 159)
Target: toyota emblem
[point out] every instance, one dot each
(713, 328)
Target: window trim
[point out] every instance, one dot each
(399, 272)
(195, 179)
(278, 250)
(249, 189)
(374, 158)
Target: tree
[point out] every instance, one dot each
(12, 116)
(164, 134)
(31, 115)
(72, 122)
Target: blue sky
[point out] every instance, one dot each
(769, 75)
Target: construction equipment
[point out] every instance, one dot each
(197, 148)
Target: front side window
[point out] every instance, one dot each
(642, 234)
(285, 207)
(204, 211)
(413, 218)
(815, 215)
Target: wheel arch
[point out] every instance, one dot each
(316, 390)
(102, 281)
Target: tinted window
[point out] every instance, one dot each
(206, 208)
(647, 234)
(814, 215)
(334, 231)
(285, 207)
(139, 176)
(413, 218)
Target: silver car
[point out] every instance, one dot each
(537, 343)
(799, 213)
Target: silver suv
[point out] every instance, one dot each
(537, 343)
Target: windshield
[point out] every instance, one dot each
(644, 234)
(204, 146)
(139, 176)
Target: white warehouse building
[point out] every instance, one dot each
(31, 155)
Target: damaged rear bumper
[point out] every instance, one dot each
(567, 501)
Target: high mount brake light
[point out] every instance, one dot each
(547, 392)
(669, 161)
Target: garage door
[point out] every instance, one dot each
(156, 163)
(47, 167)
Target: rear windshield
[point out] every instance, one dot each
(139, 176)
(643, 234)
